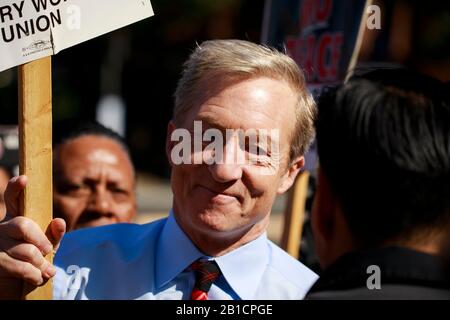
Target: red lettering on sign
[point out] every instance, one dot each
(306, 13)
(314, 11)
(323, 10)
(338, 39)
(319, 58)
(321, 62)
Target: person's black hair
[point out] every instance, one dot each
(66, 130)
(384, 146)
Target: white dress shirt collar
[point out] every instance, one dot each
(242, 268)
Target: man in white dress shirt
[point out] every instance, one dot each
(241, 125)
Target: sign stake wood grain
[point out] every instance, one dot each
(35, 136)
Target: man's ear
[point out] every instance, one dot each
(169, 143)
(288, 179)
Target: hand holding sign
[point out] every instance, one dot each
(34, 30)
(23, 246)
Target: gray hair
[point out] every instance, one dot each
(238, 59)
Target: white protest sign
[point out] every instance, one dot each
(33, 29)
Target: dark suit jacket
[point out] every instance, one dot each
(403, 274)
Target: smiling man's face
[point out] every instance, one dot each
(227, 199)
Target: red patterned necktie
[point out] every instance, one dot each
(206, 272)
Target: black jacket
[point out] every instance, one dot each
(404, 274)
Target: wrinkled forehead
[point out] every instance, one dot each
(250, 103)
(91, 149)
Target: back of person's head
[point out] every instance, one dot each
(384, 147)
(66, 130)
(216, 63)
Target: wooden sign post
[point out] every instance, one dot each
(294, 215)
(31, 32)
(35, 136)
